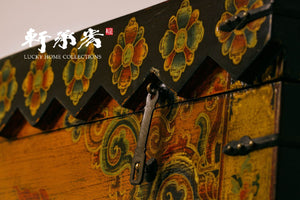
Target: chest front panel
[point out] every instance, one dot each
(93, 160)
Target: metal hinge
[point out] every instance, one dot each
(240, 20)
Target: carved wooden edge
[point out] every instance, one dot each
(218, 82)
(151, 32)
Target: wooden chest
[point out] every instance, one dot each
(225, 125)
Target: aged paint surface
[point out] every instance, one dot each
(236, 42)
(128, 55)
(186, 139)
(252, 113)
(179, 43)
(37, 82)
(26, 194)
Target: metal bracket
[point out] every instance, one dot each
(138, 161)
(246, 144)
(240, 20)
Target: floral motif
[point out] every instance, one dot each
(37, 82)
(128, 55)
(8, 87)
(79, 71)
(245, 185)
(236, 42)
(180, 42)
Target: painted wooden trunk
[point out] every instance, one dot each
(70, 127)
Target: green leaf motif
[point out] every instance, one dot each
(235, 186)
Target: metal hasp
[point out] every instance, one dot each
(246, 144)
(138, 161)
(240, 20)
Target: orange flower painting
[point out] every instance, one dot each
(127, 56)
(37, 82)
